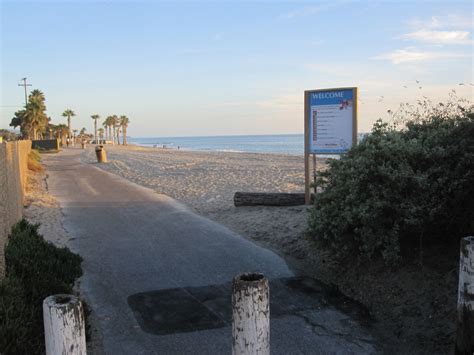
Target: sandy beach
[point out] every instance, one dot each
(206, 181)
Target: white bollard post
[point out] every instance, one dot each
(250, 315)
(64, 329)
(465, 326)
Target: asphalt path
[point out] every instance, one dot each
(156, 275)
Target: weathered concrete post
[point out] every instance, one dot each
(250, 315)
(64, 329)
(465, 326)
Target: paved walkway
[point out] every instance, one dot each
(157, 275)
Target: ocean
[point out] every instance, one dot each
(292, 144)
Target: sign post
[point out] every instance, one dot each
(330, 121)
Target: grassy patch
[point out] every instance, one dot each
(35, 270)
(34, 161)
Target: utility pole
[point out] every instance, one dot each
(26, 93)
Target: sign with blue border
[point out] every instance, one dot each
(331, 120)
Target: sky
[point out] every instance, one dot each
(203, 68)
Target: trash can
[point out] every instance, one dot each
(100, 152)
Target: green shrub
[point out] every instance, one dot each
(16, 320)
(35, 269)
(399, 189)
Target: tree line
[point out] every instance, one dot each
(35, 124)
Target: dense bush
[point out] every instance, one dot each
(35, 270)
(399, 189)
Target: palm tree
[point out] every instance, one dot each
(62, 131)
(104, 124)
(114, 123)
(69, 113)
(95, 118)
(117, 130)
(74, 131)
(36, 112)
(110, 121)
(124, 121)
(32, 120)
(101, 134)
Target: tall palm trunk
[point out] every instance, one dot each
(69, 125)
(118, 135)
(95, 131)
(124, 130)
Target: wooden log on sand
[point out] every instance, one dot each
(268, 199)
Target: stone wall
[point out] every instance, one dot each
(13, 176)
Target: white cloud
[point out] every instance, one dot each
(440, 37)
(448, 21)
(409, 55)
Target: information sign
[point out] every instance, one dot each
(330, 125)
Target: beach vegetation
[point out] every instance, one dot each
(100, 132)
(116, 122)
(69, 113)
(124, 121)
(60, 131)
(32, 120)
(408, 185)
(35, 269)
(95, 117)
(111, 122)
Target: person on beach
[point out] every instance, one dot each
(67, 142)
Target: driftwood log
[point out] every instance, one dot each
(268, 199)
